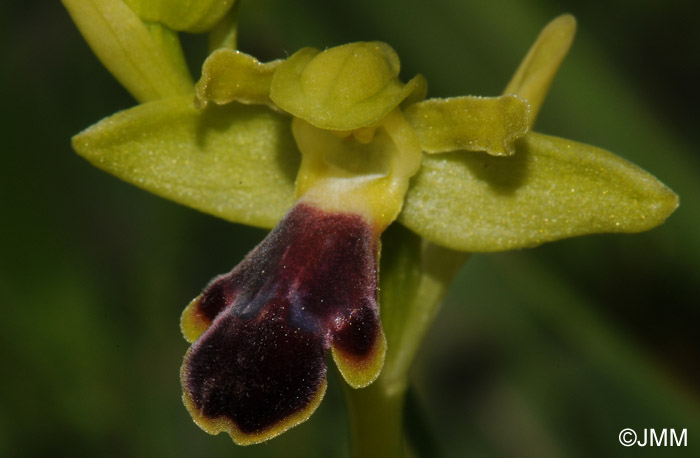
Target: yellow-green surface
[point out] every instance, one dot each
(229, 76)
(470, 123)
(550, 189)
(130, 51)
(551, 351)
(342, 88)
(182, 15)
(236, 162)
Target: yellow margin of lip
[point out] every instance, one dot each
(193, 323)
(359, 373)
(223, 424)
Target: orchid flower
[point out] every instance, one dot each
(328, 149)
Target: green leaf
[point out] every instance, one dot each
(126, 47)
(236, 162)
(550, 189)
(490, 124)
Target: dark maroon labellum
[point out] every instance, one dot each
(259, 368)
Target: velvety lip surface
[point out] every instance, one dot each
(258, 367)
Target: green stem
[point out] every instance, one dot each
(225, 33)
(415, 275)
(169, 42)
(376, 421)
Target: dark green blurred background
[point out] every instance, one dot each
(538, 353)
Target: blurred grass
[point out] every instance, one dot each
(546, 352)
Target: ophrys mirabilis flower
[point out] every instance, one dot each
(330, 147)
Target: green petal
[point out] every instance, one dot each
(229, 75)
(342, 88)
(533, 77)
(550, 189)
(125, 46)
(236, 162)
(490, 124)
(182, 15)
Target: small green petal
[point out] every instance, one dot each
(229, 75)
(342, 88)
(533, 77)
(550, 189)
(182, 15)
(124, 45)
(236, 162)
(490, 124)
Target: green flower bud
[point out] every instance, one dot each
(194, 16)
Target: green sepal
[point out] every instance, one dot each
(229, 75)
(342, 88)
(126, 47)
(236, 162)
(490, 124)
(550, 189)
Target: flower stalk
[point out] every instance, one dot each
(418, 274)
